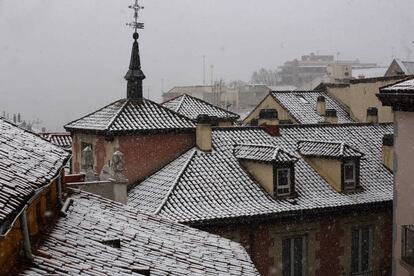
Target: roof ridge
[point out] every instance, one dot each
(117, 114)
(176, 180)
(169, 110)
(181, 102)
(334, 125)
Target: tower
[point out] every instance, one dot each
(135, 76)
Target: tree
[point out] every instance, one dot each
(264, 76)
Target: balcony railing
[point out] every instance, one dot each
(407, 244)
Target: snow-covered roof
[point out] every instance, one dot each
(128, 115)
(63, 140)
(262, 153)
(374, 72)
(326, 149)
(101, 237)
(406, 86)
(191, 107)
(301, 105)
(406, 66)
(27, 162)
(203, 187)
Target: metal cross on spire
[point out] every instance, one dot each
(135, 24)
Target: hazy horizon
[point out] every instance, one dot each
(63, 59)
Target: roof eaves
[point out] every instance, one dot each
(176, 180)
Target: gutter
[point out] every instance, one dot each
(26, 238)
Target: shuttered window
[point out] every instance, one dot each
(293, 256)
(361, 250)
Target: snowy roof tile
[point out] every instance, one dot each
(302, 106)
(214, 186)
(63, 140)
(191, 107)
(128, 115)
(80, 244)
(327, 149)
(27, 162)
(405, 86)
(262, 153)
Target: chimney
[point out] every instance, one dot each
(204, 133)
(387, 151)
(331, 117)
(372, 115)
(268, 117)
(321, 105)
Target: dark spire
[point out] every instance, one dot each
(134, 76)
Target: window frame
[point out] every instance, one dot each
(289, 180)
(360, 230)
(348, 184)
(292, 260)
(407, 230)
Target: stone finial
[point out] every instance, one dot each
(105, 173)
(118, 166)
(87, 164)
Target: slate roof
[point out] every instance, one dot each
(327, 149)
(262, 153)
(76, 246)
(214, 188)
(191, 107)
(128, 115)
(63, 140)
(27, 162)
(301, 105)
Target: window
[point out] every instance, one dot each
(293, 256)
(283, 181)
(407, 244)
(361, 249)
(349, 175)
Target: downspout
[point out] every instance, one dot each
(26, 238)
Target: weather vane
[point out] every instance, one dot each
(135, 24)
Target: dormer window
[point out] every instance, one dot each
(283, 181)
(271, 167)
(337, 162)
(349, 175)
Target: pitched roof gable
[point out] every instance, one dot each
(301, 105)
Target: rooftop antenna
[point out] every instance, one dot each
(135, 76)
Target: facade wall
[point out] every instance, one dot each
(403, 181)
(267, 103)
(328, 241)
(359, 96)
(144, 154)
(41, 211)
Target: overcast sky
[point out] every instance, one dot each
(61, 59)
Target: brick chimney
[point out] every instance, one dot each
(387, 151)
(372, 115)
(331, 117)
(204, 133)
(321, 105)
(268, 117)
